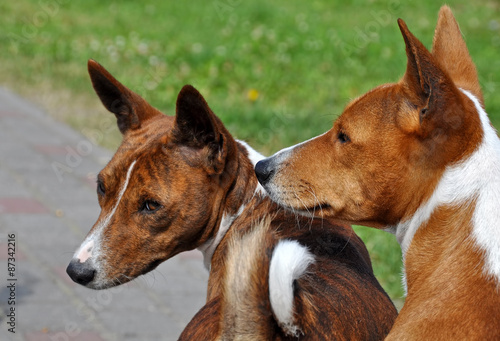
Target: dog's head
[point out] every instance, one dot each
(386, 152)
(162, 191)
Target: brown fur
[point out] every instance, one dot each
(382, 160)
(336, 300)
(189, 172)
(246, 283)
(451, 299)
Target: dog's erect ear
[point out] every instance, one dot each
(197, 126)
(423, 75)
(451, 53)
(129, 108)
(431, 87)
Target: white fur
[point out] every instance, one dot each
(208, 248)
(90, 248)
(85, 251)
(278, 159)
(487, 214)
(477, 177)
(287, 152)
(288, 263)
(254, 157)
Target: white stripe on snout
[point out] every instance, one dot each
(86, 252)
(272, 187)
(91, 243)
(283, 153)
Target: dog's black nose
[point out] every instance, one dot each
(81, 273)
(264, 170)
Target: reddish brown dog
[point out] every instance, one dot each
(421, 159)
(180, 183)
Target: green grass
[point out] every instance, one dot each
(305, 59)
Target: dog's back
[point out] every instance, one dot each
(288, 276)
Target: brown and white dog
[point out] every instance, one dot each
(182, 182)
(420, 159)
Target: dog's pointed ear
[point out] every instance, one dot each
(197, 126)
(129, 108)
(450, 51)
(430, 87)
(423, 75)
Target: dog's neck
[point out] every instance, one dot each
(463, 208)
(244, 187)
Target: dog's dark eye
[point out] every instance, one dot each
(149, 206)
(342, 137)
(100, 188)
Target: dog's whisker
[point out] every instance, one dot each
(317, 203)
(303, 204)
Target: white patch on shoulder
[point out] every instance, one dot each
(288, 263)
(476, 177)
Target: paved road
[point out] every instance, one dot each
(48, 202)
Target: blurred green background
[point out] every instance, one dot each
(276, 73)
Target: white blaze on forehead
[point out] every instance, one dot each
(92, 241)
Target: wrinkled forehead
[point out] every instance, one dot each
(381, 102)
(139, 144)
(377, 97)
